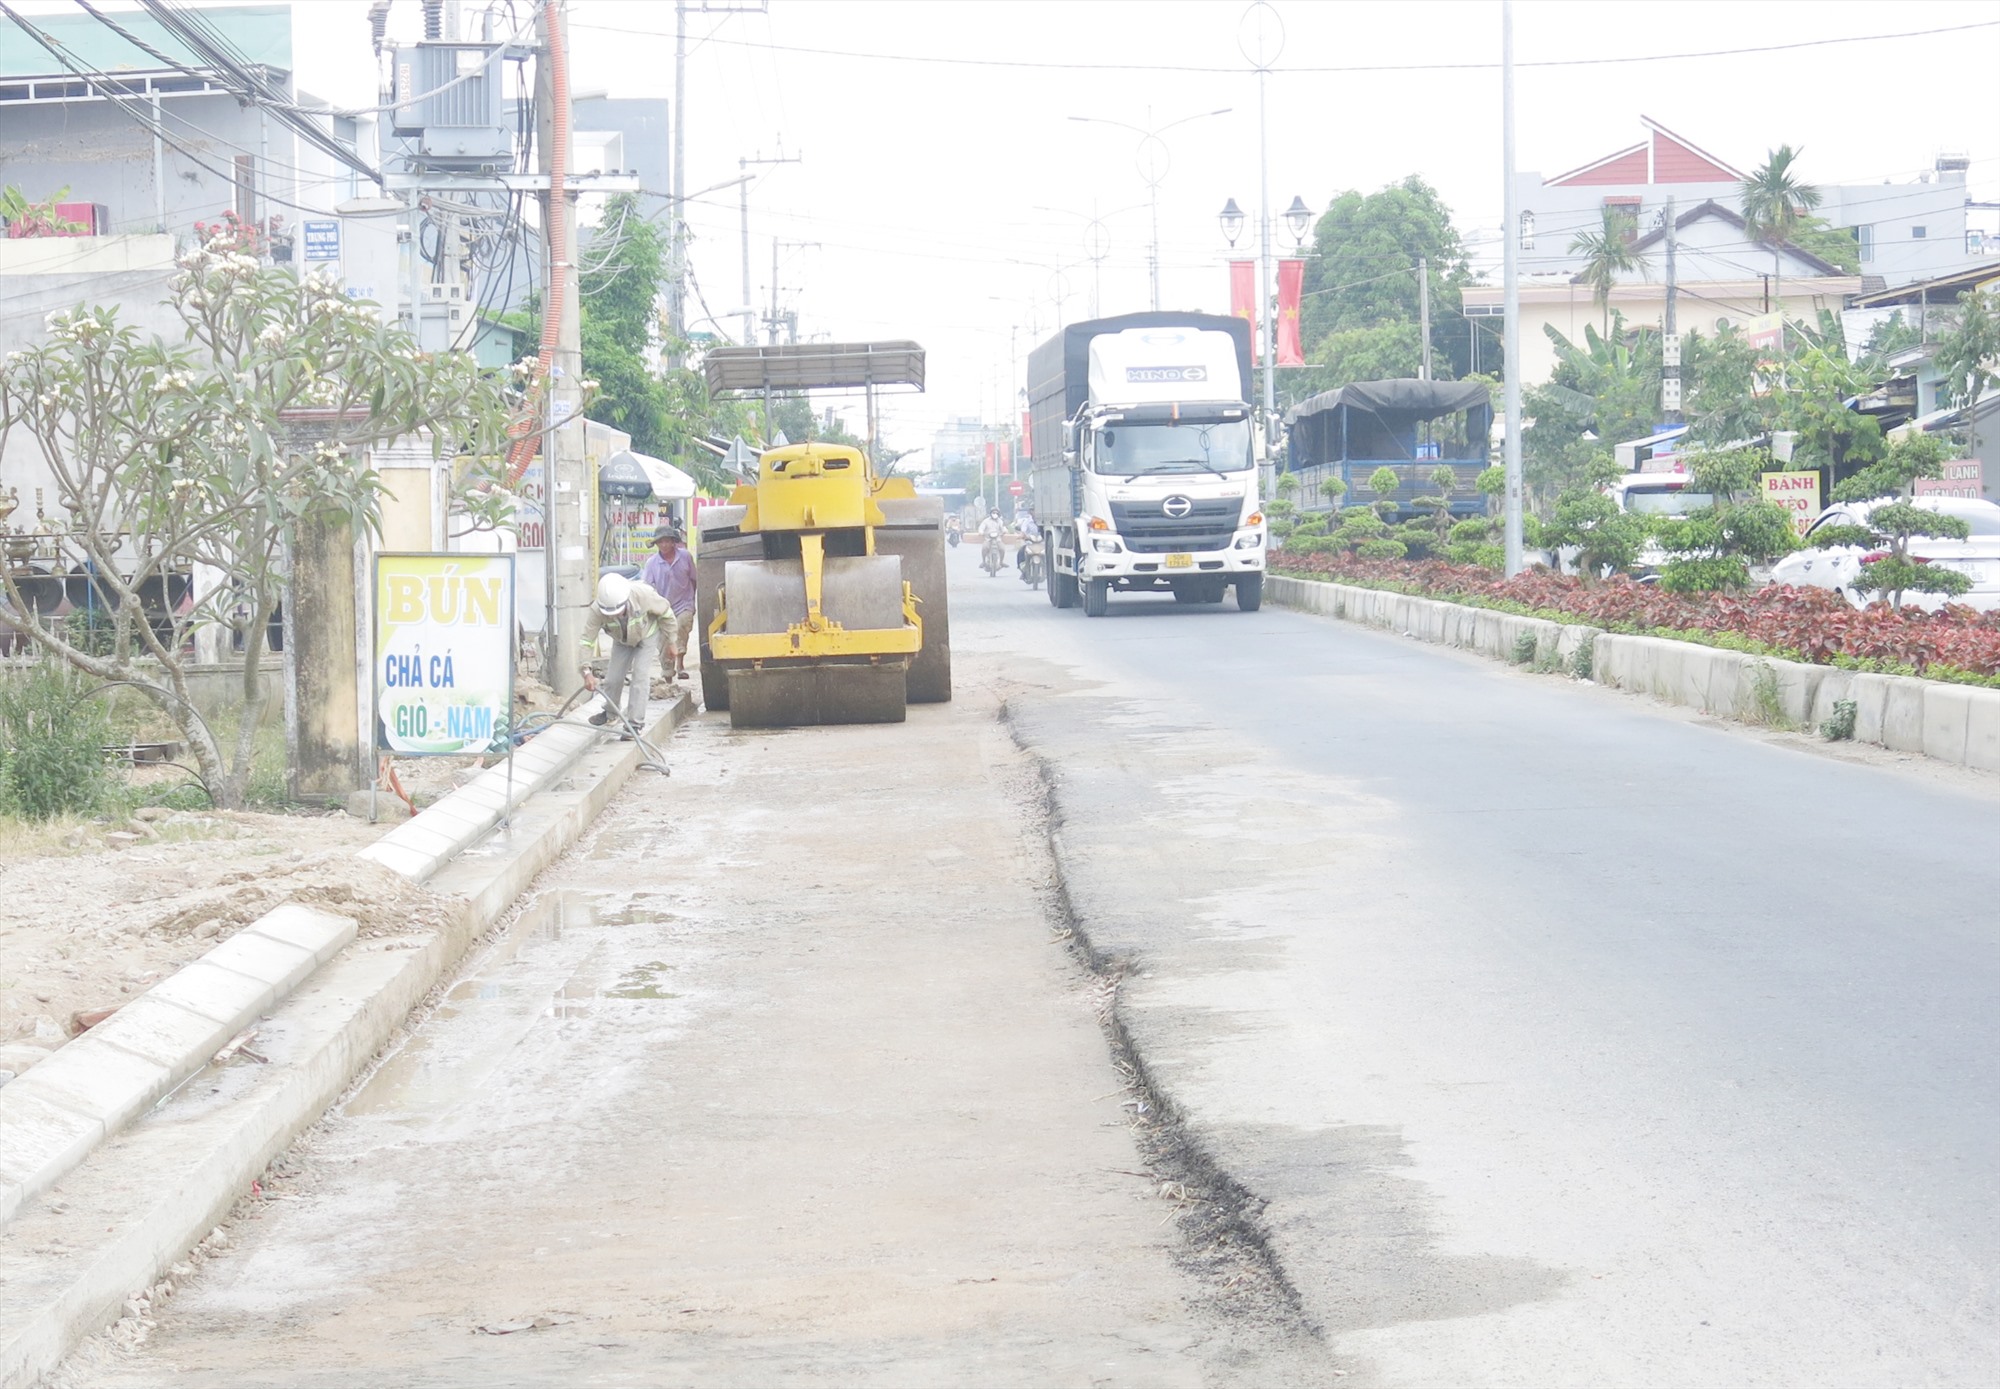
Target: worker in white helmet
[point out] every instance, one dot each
(637, 619)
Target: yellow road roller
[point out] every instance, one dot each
(820, 594)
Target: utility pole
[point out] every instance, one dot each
(749, 310)
(1424, 314)
(564, 489)
(1511, 295)
(1670, 342)
(677, 290)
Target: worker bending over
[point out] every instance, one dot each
(637, 619)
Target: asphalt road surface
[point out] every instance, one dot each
(1553, 1037)
(1571, 1040)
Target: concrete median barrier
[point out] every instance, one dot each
(1939, 719)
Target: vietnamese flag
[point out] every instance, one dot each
(1291, 280)
(1243, 297)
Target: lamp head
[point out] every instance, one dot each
(1232, 221)
(1298, 217)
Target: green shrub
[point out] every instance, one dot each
(1584, 662)
(52, 762)
(1705, 574)
(1841, 726)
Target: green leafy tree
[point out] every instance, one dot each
(1445, 479)
(1383, 482)
(1775, 203)
(1603, 392)
(1722, 397)
(1608, 253)
(1384, 352)
(1835, 245)
(1892, 523)
(1818, 383)
(1713, 548)
(25, 217)
(1605, 538)
(213, 453)
(1362, 279)
(1968, 354)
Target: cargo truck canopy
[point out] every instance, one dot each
(1377, 421)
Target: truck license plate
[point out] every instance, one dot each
(1180, 561)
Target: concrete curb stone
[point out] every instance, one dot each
(1949, 722)
(165, 1181)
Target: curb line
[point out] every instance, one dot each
(1948, 722)
(172, 1176)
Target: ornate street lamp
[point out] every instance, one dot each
(1232, 221)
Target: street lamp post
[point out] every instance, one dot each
(1153, 160)
(1261, 37)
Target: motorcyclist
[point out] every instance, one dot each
(953, 529)
(990, 530)
(1031, 534)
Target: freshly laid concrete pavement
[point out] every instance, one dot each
(1555, 1038)
(785, 1075)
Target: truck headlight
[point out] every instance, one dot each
(1251, 541)
(1103, 546)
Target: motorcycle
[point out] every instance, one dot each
(952, 535)
(992, 559)
(1031, 565)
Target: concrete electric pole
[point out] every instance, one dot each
(749, 310)
(1670, 342)
(1510, 241)
(1424, 314)
(571, 574)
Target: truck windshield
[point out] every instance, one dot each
(1141, 450)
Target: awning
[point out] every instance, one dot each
(669, 483)
(639, 476)
(621, 475)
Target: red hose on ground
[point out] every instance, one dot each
(555, 227)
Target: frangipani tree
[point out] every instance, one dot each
(171, 458)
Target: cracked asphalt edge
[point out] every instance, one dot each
(1224, 1244)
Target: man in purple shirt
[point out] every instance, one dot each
(670, 573)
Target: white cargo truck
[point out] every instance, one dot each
(1145, 460)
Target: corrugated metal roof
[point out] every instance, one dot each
(815, 366)
(262, 33)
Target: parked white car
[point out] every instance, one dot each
(1656, 494)
(1837, 566)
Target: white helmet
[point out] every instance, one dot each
(613, 592)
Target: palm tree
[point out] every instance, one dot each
(1774, 203)
(1607, 254)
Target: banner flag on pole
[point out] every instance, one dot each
(1243, 299)
(1291, 281)
(992, 459)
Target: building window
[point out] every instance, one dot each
(1919, 233)
(1864, 238)
(1627, 208)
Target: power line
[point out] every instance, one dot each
(943, 61)
(136, 113)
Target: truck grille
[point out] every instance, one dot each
(1147, 530)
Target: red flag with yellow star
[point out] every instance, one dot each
(1291, 280)
(1243, 299)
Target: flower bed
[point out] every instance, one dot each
(1803, 624)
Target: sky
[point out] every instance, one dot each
(947, 191)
